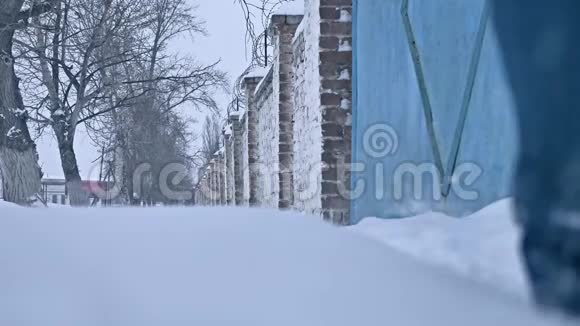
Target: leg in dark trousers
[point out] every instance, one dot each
(541, 46)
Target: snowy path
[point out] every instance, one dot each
(224, 267)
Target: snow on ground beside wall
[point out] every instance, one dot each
(483, 246)
(226, 266)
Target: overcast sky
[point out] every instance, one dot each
(226, 41)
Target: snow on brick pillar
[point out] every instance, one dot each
(201, 196)
(204, 192)
(198, 194)
(226, 182)
(283, 28)
(212, 189)
(208, 182)
(336, 106)
(222, 178)
(307, 114)
(207, 191)
(268, 185)
(244, 159)
(216, 183)
(250, 84)
(237, 157)
(229, 165)
(211, 182)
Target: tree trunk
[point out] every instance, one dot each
(18, 157)
(21, 175)
(78, 197)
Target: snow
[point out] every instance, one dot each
(299, 30)
(37, 204)
(241, 114)
(344, 46)
(258, 72)
(226, 266)
(345, 16)
(18, 111)
(483, 246)
(291, 8)
(345, 104)
(307, 121)
(344, 75)
(228, 130)
(265, 78)
(14, 132)
(5, 204)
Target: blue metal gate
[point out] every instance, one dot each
(433, 124)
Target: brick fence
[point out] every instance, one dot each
(291, 148)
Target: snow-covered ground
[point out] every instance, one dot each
(4, 204)
(225, 267)
(483, 246)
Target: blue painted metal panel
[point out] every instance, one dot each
(430, 99)
(490, 138)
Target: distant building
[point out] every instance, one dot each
(54, 191)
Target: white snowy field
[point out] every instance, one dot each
(4, 204)
(226, 266)
(484, 246)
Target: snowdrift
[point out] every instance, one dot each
(136, 267)
(484, 246)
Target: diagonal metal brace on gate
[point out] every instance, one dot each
(445, 173)
(420, 74)
(466, 103)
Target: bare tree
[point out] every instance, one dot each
(61, 48)
(158, 83)
(257, 14)
(96, 58)
(211, 137)
(18, 157)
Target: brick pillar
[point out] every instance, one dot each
(207, 191)
(229, 166)
(237, 148)
(336, 105)
(210, 184)
(214, 183)
(204, 190)
(207, 185)
(250, 84)
(200, 195)
(222, 179)
(283, 28)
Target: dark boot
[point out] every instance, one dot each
(540, 44)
